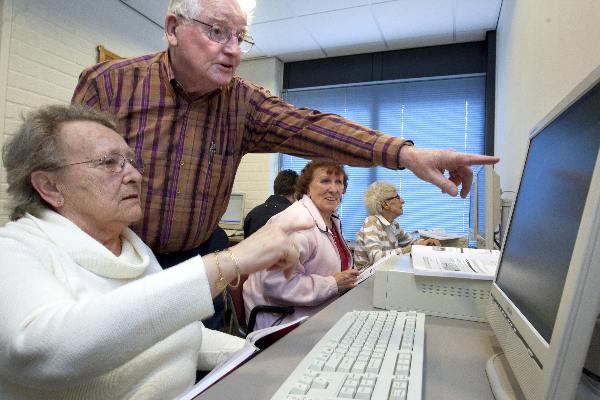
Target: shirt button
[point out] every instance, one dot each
(179, 192)
(181, 163)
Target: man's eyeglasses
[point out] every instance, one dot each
(113, 163)
(392, 198)
(222, 35)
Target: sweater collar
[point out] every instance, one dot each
(90, 254)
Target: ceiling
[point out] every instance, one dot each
(293, 30)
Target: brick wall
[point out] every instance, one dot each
(44, 45)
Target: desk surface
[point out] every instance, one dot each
(455, 355)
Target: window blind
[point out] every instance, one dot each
(435, 113)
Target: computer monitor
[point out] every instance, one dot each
(545, 300)
(485, 206)
(234, 215)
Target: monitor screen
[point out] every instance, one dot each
(547, 212)
(234, 215)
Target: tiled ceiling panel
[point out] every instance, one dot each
(281, 37)
(307, 7)
(330, 35)
(407, 19)
(270, 10)
(305, 29)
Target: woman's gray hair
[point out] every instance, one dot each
(376, 193)
(36, 146)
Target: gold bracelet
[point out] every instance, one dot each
(237, 269)
(221, 283)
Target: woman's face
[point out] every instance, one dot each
(94, 197)
(395, 205)
(325, 190)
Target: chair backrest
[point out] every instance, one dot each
(236, 309)
(235, 312)
(238, 300)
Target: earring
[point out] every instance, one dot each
(59, 203)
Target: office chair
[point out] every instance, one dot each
(235, 312)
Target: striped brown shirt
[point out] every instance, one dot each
(191, 148)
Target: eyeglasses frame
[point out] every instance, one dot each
(246, 37)
(136, 163)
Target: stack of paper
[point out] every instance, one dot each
(455, 262)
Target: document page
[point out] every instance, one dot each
(455, 262)
(255, 342)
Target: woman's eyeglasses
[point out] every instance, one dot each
(113, 163)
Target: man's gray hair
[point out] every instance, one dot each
(186, 8)
(376, 193)
(36, 146)
(189, 9)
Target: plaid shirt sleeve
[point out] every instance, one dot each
(277, 126)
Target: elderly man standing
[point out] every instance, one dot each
(191, 121)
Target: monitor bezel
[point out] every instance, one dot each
(234, 225)
(564, 357)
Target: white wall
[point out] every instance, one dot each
(257, 171)
(544, 48)
(44, 45)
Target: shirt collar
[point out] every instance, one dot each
(384, 221)
(178, 87)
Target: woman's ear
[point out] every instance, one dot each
(44, 182)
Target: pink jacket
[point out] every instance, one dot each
(312, 285)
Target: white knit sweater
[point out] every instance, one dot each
(77, 322)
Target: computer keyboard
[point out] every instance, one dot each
(365, 355)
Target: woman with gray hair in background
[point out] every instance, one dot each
(87, 312)
(380, 235)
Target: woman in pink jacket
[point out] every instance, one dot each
(325, 269)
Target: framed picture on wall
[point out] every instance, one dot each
(106, 55)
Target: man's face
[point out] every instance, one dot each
(93, 196)
(202, 65)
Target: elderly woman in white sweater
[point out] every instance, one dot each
(87, 312)
(380, 235)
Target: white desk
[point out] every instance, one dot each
(455, 355)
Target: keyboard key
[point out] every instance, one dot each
(364, 392)
(359, 366)
(374, 365)
(397, 394)
(299, 388)
(317, 365)
(347, 392)
(320, 383)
